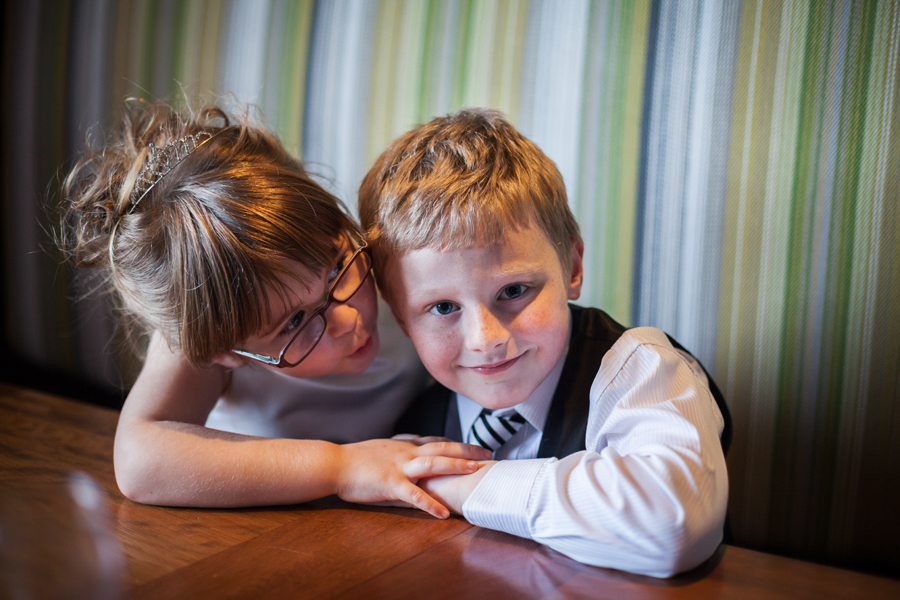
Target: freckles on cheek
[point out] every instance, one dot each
(547, 325)
(436, 351)
(539, 318)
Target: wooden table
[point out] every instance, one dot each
(65, 528)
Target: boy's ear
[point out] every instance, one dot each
(577, 269)
(230, 360)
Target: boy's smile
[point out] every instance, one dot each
(488, 322)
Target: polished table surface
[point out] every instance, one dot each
(66, 531)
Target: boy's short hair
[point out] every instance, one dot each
(461, 181)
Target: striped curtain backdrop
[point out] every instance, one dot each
(734, 166)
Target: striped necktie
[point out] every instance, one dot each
(492, 429)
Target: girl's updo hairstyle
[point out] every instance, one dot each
(196, 256)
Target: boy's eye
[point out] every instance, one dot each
(513, 291)
(443, 308)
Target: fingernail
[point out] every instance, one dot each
(472, 466)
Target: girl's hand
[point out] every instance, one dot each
(379, 470)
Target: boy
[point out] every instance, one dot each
(478, 254)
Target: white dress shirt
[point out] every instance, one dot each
(650, 492)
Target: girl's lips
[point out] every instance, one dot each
(363, 350)
(498, 367)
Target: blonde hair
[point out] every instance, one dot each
(462, 181)
(194, 257)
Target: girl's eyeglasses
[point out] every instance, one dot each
(347, 283)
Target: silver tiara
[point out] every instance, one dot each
(163, 161)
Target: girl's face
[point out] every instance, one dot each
(350, 341)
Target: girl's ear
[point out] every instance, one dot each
(230, 360)
(577, 269)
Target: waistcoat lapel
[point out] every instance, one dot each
(593, 334)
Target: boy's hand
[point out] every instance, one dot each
(453, 490)
(378, 470)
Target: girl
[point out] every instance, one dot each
(253, 285)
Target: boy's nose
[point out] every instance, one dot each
(485, 331)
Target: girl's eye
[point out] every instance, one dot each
(342, 261)
(444, 308)
(294, 323)
(513, 291)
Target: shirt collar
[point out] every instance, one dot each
(534, 408)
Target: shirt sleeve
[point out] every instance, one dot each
(649, 494)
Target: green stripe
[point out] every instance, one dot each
(427, 76)
(294, 68)
(464, 33)
(845, 358)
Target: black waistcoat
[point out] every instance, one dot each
(593, 334)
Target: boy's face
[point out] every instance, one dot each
(489, 323)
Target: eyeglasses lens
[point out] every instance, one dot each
(306, 341)
(352, 278)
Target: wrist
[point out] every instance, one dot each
(453, 490)
(339, 461)
(470, 482)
